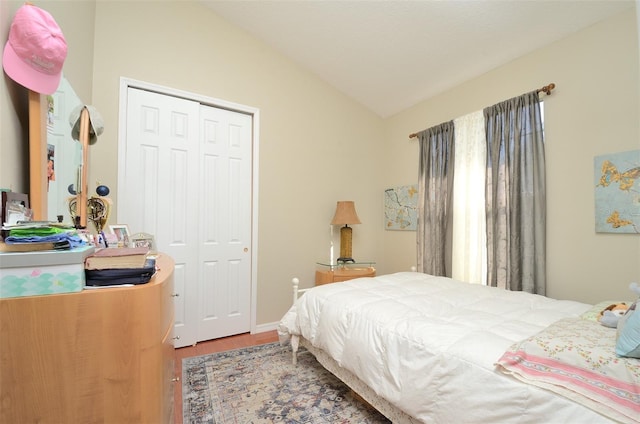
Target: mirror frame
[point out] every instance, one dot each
(37, 156)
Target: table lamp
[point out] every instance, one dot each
(345, 215)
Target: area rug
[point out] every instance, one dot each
(259, 384)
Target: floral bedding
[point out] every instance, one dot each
(576, 358)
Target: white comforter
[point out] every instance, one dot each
(429, 344)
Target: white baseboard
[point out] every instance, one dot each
(262, 328)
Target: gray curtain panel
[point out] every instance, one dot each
(516, 195)
(435, 187)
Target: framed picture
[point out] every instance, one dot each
(122, 233)
(14, 207)
(401, 208)
(142, 240)
(617, 192)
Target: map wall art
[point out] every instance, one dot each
(401, 208)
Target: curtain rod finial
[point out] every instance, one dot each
(547, 88)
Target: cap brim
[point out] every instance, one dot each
(25, 75)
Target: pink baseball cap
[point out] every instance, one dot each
(35, 51)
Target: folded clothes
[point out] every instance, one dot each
(35, 231)
(73, 239)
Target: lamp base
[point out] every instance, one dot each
(346, 260)
(345, 245)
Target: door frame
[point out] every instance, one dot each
(126, 83)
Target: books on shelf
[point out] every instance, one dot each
(99, 278)
(117, 258)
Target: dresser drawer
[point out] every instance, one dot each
(343, 274)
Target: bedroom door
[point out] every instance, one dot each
(185, 177)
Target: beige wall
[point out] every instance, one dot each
(317, 146)
(593, 111)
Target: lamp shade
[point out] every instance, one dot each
(345, 213)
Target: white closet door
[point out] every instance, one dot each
(184, 184)
(225, 223)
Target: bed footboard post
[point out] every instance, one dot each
(295, 342)
(295, 283)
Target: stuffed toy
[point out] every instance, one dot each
(610, 316)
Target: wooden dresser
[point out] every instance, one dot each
(96, 356)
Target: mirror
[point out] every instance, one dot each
(49, 126)
(64, 154)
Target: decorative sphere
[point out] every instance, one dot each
(71, 189)
(102, 190)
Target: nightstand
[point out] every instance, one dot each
(334, 273)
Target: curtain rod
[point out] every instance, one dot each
(546, 89)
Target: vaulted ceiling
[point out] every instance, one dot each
(391, 54)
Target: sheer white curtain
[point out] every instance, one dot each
(469, 244)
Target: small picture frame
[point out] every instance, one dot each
(143, 240)
(122, 233)
(20, 202)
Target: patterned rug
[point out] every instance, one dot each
(260, 385)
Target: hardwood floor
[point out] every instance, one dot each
(212, 346)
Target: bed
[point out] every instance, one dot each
(421, 348)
